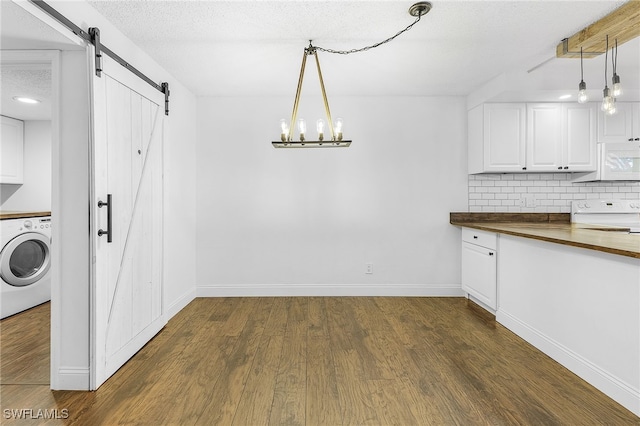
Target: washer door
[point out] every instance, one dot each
(25, 259)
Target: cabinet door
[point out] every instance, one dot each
(544, 137)
(579, 142)
(11, 151)
(479, 273)
(504, 137)
(618, 127)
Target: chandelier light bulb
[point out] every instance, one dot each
(320, 129)
(582, 93)
(284, 130)
(338, 128)
(302, 127)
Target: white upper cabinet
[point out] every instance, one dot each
(536, 137)
(12, 151)
(544, 137)
(579, 137)
(497, 138)
(623, 126)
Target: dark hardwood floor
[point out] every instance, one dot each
(327, 361)
(24, 347)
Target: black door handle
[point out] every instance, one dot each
(108, 204)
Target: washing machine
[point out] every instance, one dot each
(25, 261)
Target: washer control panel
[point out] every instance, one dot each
(36, 224)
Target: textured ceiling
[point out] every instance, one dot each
(22, 31)
(32, 81)
(230, 48)
(254, 48)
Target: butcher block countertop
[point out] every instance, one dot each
(21, 215)
(553, 228)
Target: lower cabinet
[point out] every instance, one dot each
(479, 277)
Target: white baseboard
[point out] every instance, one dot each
(180, 304)
(71, 378)
(306, 290)
(608, 384)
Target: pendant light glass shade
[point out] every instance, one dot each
(608, 102)
(583, 97)
(617, 87)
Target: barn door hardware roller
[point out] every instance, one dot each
(95, 39)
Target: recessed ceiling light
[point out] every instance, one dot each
(565, 97)
(26, 100)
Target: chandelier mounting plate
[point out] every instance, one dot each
(420, 8)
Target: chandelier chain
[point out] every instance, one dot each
(363, 49)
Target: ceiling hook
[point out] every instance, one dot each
(311, 50)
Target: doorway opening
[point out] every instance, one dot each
(30, 64)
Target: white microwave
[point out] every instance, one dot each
(616, 161)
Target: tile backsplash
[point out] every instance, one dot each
(540, 192)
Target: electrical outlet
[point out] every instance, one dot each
(530, 200)
(368, 268)
(527, 200)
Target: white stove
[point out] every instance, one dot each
(615, 213)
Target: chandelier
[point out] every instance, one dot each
(334, 139)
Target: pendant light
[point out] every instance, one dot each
(608, 105)
(617, 87)
(582, 87)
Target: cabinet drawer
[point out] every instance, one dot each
(481, 238)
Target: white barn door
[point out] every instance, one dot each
(127, 308)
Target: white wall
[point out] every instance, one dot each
(306, 221)
(35, 193)
(180, 200)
